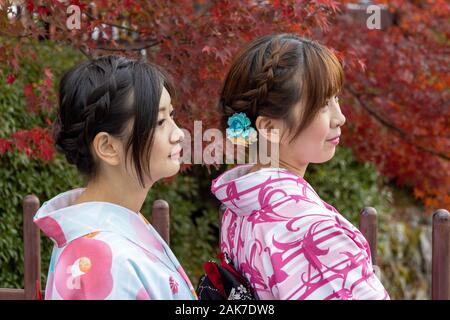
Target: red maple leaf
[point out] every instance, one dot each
(10, 78)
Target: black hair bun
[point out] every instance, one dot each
(67, 142)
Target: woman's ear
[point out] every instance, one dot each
(106, 148)
(269, 128)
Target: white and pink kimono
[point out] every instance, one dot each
(289, 243)
(106, 251)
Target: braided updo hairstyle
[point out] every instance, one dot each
(273, 73)
(103, 95)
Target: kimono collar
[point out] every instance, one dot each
(63, 222)
(245, 192)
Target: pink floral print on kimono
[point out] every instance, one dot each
(106, 251)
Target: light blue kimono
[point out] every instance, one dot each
(106, 251)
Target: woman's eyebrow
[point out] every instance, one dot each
(164, 108)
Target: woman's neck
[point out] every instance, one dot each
(298, 170)
(128, 197)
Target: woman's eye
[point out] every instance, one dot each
(161, 122)
(328, 102)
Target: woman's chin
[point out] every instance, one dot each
(173, 167)
(331, 156)
(324, 158)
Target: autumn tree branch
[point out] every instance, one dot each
(402, 134)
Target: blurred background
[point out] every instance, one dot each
(395, 149)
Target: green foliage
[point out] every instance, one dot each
(20, 175)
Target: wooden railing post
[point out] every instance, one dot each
(440, 273)
(368, 225)
(32, 247)
(161, 219)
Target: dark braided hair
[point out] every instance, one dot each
(273, 73)
(103, 95)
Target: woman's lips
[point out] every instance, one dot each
(334, 141)
(175, 154)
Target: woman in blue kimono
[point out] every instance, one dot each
(115, 124)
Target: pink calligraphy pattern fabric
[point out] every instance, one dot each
(289, 243)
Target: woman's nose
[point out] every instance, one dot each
(339, 118)
(177, 135)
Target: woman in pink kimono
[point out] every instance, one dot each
(115, 124)
(277, 231)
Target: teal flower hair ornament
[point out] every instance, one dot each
(239, 130)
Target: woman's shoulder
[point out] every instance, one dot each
(126, 250)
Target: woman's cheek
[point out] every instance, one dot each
(157, 151)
